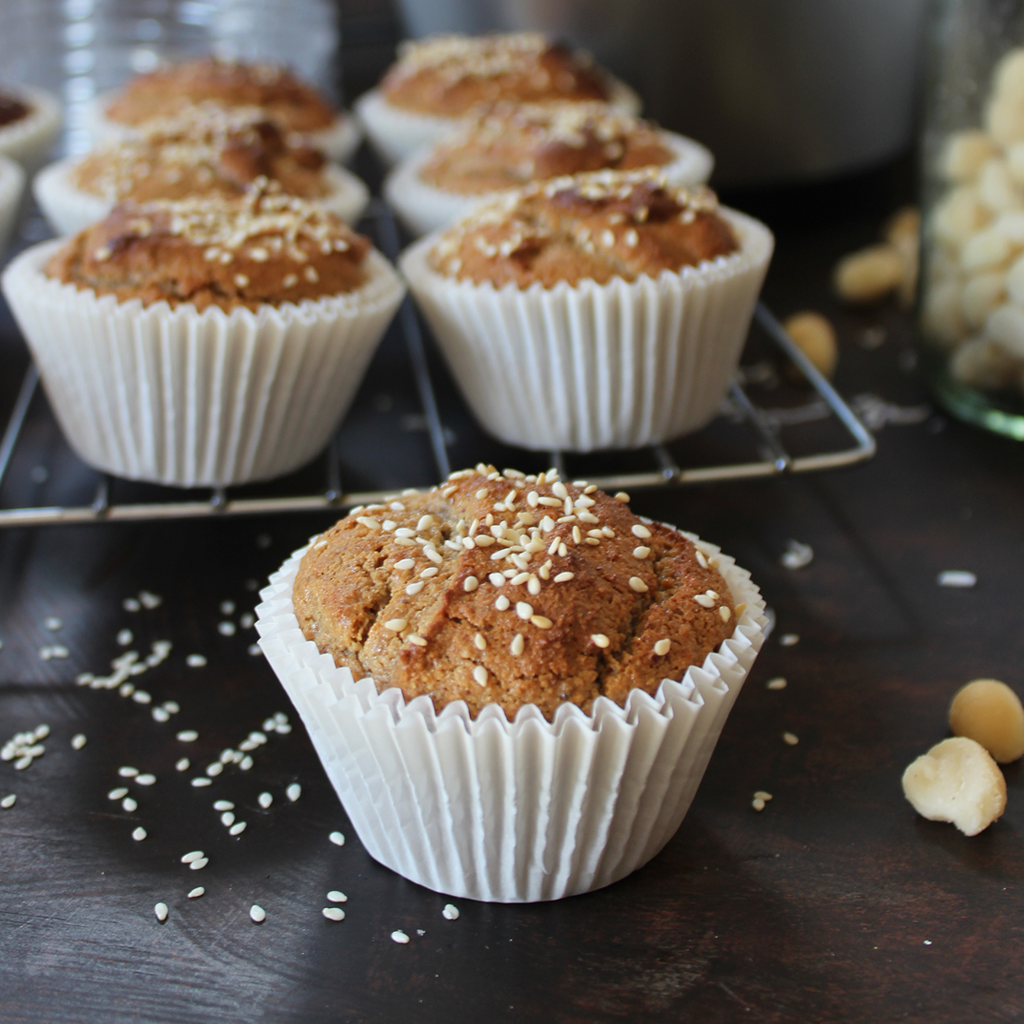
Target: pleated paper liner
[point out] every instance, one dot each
(12, 181)
(516, 811)
(396, 134)
(69, 209)
(174, 396)
(594, 366)
(29, 140)
(423, 208)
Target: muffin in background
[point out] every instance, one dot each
(206, 150)
(30, 121)
(203, 342)
(438, 81)
(508, 146)
(297, 108)
(627, 300)
(519, 739)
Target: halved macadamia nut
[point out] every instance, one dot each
(990, 713)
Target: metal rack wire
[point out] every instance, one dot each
(777, 460)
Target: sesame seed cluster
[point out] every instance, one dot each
(510, 145)
(201, 150)
(589, 226)
(169, 89)
(511, 589)
(264, 247)
(450, 74)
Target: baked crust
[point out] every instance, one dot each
(261, 248)
(166, 91)
(603, 601)
(449, 75)
(588, 226)
(509, 146)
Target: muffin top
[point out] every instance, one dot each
(294, 105)
(448, 75)
(588, 226)
(12, 109)
(203, 150)
(512, 590)
(261, 248)
(510, 145)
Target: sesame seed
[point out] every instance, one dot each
(519, 579)
(190, 858)
(641, 531)
(541, 621)
(432, 554)
(337, 897)
(704, 601)
(311, 275)
(139, 834)
(405, 564)
(414, 588)
(600, 640)
(641, 552)
(127, 772)
(402, 531)
(518, 645)
(762, 795)
(757, 803)
(951, 577)
(141, 697)
(484, 541)
(195, 661)
(416, 640)
(333, 913)
(450, 912)
(638, 585)
(293, 792)
(227, 818)
(563, 551)
(725, 613)
(496, 579)
(161, 912)
(78, 741)
(246, 763)
(223, 805)
(662, 647)
(470, 584)
(257, 913)
(524, 610)
(125, 637)
(396, 625)
(701, 559)
(790, 738)
(480, 675)
(145, 780)
(8, 801)
(200, 780)
(559, 491)
(214, 769)
(337, 838)
(429, 573)
(161, 715)
(196, 892)
(533, 585)
(479, 642)
(188, 735)
(778, 683)
(400, 937)
(564, 577)
(237, 829)
(129, 805)
(425, 522)
(369, 522)
(622, 496)
(405, 542)
(502, 603)
(787, 639)
(182, 764)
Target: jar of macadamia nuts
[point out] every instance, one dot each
(972, 286)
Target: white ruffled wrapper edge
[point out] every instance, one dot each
(396, 134)
(175, 396)
(30, 139)
(69, 209)
(338, 141)
(12, 182)
(589, 366)
(517, 811)
(423, 208)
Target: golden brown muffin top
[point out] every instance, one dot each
(164, 92)
(588, 226)
(448, 75)
(510, 145)
(261, 248)
(512, 590)
(12, 109)
(204, 150)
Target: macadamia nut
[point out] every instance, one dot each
(965, 154)
(957, 781)
(816, 338)
(990, 713)
(869, 275)
(980, 363)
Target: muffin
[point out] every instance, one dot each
(203, 342)
(510, 146)
(12, 182)
(514, 683)
(205, 150)
(294, 106)
(603, 310)
(30, 121)
(438, 81)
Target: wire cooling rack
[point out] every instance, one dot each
(661, 464)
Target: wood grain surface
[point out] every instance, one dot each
(836, 903)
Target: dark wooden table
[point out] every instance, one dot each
(836, 903)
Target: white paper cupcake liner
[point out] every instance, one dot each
(339, 141)
(29, 140)
(12, 182)
(179, 397)
(396, 134)
(68, 209)
(511, 811)
(588, 367)
(423, 208)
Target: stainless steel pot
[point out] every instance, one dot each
(780, 90)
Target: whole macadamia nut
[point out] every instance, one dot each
(990, 713)
(957, 781)
(816, 338)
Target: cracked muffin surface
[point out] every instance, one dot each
(512, 590)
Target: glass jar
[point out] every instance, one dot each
(971, 308)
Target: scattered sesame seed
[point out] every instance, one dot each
(700, 558)
(725, 613)
(337, 897)
(333, 913)
(429, 573)
(199, 863)
(195, 661)
(757, 804)
(182, 764)
(523, 609)
(778, 683)
(337, 838)
(641, 552)
(762, 795)
(161, 912)
(470, 584)
(254, 649)
(265, 800)
(78, 741)
(195, 855)
(396, 625)
(201, 780)
(416, 640)
(161, 715)
(414, 588)
(638, 585)
(956, 578)
(127, 772)
(237, 829)
(125, 637)
(541, 621)
(797, 555)
(145, 780)
(188, 735)
(257, 913)
(600, 640)
(293, 792)
(662, 647)
(787, 639)
(480, 675)
(214, 769)
(622, 496)
(129, 805)
(139, 834)
(533, 585)
(52, 623)
(405, 564)
(399, 936)
(704, 601)
(226, 628)
(196, 892)
(790, 738)
(450, 912)
(502, 603)
(480, 642)
(227, 818)
(246, 763)
(8, 801)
